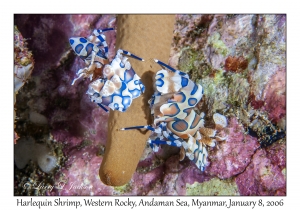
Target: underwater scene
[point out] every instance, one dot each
(150, 104)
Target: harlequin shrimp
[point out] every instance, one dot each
(176, 123)
(115, 84)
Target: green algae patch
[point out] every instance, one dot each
(216, 94)
(219, 76)
(214, 186)
(192, 61)
(238, 89)
(187, 59)
(119, 190)
(216, 42)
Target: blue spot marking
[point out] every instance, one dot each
(71, 41)
(128, 75)
(135, 93)
(195, 123)
(123, 87)
(184, 82)
(89, 48)
(192, 101)
(186, 110)
(183, 96)
(78, 48)
(194, 89)
(122, 65)
(159, 83)
(175, 125)
(161, 75)
(107, 100)
(116, 105)
(136, 82)
(126, 101)
(83, 40)
(176, 119)
(177, 108)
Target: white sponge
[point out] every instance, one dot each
(26, 149)
(23, 152)
(47, 163)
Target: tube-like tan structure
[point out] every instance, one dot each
(147, 36)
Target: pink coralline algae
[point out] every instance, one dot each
(169, 177)
(275, 96)
(234, 154)
(177, 175)
(81, 177)
(266, 174)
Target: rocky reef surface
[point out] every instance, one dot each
(240, 60)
